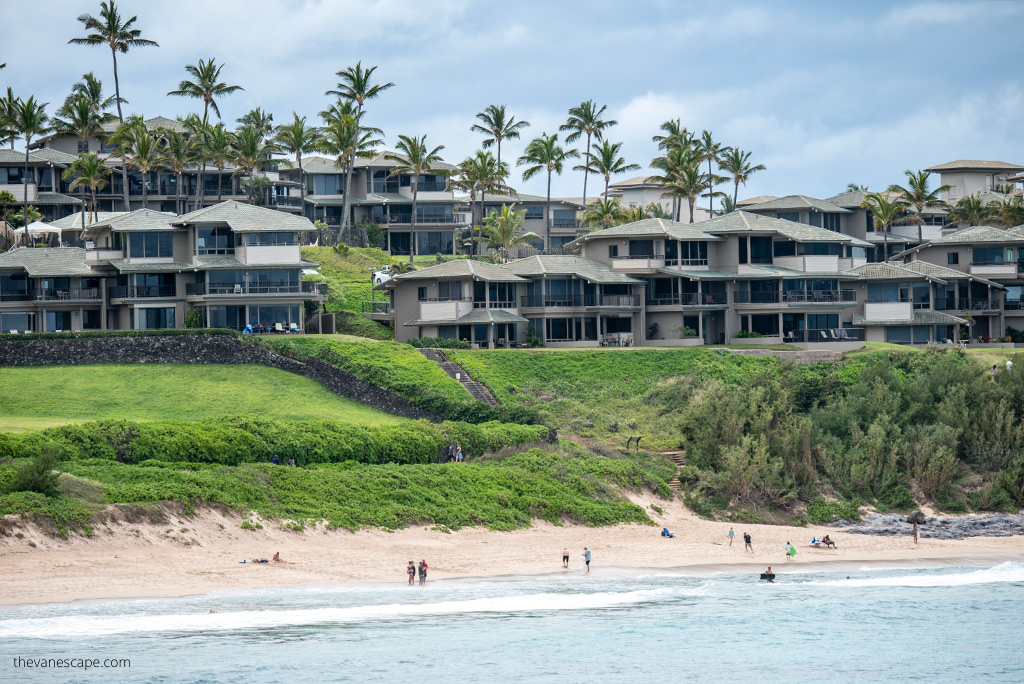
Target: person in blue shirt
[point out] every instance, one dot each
(586, 557)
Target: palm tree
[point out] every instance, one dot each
(680, 178)
(7, 199)
(480, 174)
(605, 161)
(178, 155)
(676, 136)
(501, 230)
(251, 153)
(970, 209)
(545, 154)
(29, 118)
(853, 187)
(91, 89)
(206, 85)
(339, 139)
(218, 150)
(119, 36)
(80, 117)
(261, 121)
(296, 138)
(88, 170)
(736, 163)
(198, 129)
(917, 195)
(726, 206)
(585, 119)
(886, 211)
(414, 159)
(1009, 211)
(257, 187)
(7, 105)
(145, 156)
(496, 124)
(712, 151)
(604, 213)
(638, 213)
(356, 86)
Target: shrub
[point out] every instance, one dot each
(193, 318)
(820, 511)
(38, 475)
(746, 333)
(438, 343)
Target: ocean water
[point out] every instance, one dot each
(928, 625)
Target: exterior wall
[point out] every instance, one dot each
(894, 311)
(288, 254)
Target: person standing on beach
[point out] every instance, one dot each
(915, 533)
(411, 570)
(565, 557)
(586, 557)
(423, 572)
(731, 535)
(747, 546)
(790, 552)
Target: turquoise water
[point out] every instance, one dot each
(928, 625)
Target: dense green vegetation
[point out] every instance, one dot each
(888, 429)
(42, 396)
(403, 370)
(346, 270)
(504, 491)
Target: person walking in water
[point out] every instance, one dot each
(565, 557)
(411, 571)
(586, 557)
(731, 535)
(747, 546)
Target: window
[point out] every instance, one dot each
(822, 321)
(83, 146)
(154, 319)
(766, 324)
(991, 256)
(328, 184)
(742, 249)
(446, 332)
(215, 240)
(285, 314)
(273, 239)
(150, 245)
(422, 294)
(232, 317)
(449, 290)
(760, 250)
(536, 212)
(434, 242)
(19, 321)
(830, 222)
(613, 251)
(922, 334)
(641, 248)
(273, 281)
(821, 248)
(921, 293)
(887, 293)
(693, 250)
(898, 334)
(952, 258)
(793, 216)
(91, 319)
(783, 249)
(58, 320)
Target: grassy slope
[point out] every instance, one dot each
(55, 395)
(348, 285)
(600, 387)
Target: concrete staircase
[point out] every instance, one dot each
(457, 372)
(679, 458)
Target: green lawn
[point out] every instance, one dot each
(54, 395)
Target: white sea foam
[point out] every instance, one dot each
(98, 625)
(1005, 572)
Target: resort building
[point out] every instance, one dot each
(972, 176)
(640, 191)
(44, 187)
(234, 264)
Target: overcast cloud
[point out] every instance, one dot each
(822, 93)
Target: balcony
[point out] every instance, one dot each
(495, 304)
(809, 263)
(282, 201)
(748, 297)
(629, 301)
(51, 295)
(819, 296)
(888, 311)
(829, 335)
(406, 219)
(429, 186)
(689, 299)
(971, 304)
(142, 292)
(257, 289)
(550, 301)
(687, 263)
(20, 190)
(94, 255)
(638, 263)
(376, 308)
(986, 269)
(564, 223)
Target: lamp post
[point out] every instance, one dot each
(371, 289)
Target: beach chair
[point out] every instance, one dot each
(278, 328)
(666, 533)
(293, 328)
(816, 543)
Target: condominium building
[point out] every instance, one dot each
(641, 191)
(972, 176)
(235, 264)
(44, 187)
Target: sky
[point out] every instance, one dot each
(822, 93)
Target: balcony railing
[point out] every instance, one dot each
(282, 201)
(756, 297)
(431, 186)
(376, 307)
(563, 223)
(222, 289)
(689, 299)
(550, 301)
(614, 301)
(142, 292)
(495, 304)
(406, 219)
(446, 299)
(1012, 305)
(819, 296)
(638, 257)
(969, 304)
(50, 295)
(686, 262)
(827, 335)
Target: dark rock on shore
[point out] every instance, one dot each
(892, 524)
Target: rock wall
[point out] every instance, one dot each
(193, 349)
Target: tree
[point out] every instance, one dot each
(605, 161)
(198, 129)
(853, 187)
(7, 199)
(89, 171)
(886, 211)
(297, 138)
(7, 104)
(917, 195)
(481, 174)
(736, 163)
(178, 155)
(80, 117)
(217, 150)
(726, 206)
(415, 159)
(261, 121)
(251, 153)
(257, 187)
(356, 86)
(970, 209)
(495, 123)
(501, 230)
(341, 138)
(545, 154)
(91, 89)
(711, 151)
(585, 119)
(17, 219)
(206, 85)
(676, 136)
(38, 474)
(140, 148)
(119, 36)
(1008, 211)
(29, 119)
(681, 177)
(604, 213)
(638, 213)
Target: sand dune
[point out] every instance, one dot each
(198, 554)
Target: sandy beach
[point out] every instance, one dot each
(198, 554)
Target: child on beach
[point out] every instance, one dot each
(565, 557)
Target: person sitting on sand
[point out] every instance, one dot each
(277, 557)
(827, 541)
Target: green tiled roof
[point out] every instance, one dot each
(781, 271)
(921, 317)
(712, 275)
(134, 221)
(54, 199)
(126, 266)
(46, 261)
(976, 165)
(587, 269)
(745, 222)
(751, 201)
(42, 155)
(797, 203)
(246, 218)
(463, 268)
(151, 124)
(380, 162)
(476, 316)
(977, 234)
(652, 228)
(74, 221)
(936, 271)
(230, 263)
(890, 271)
(849, 200)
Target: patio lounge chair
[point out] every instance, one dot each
(278, 328)
(293, 327)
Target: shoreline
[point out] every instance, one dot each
(197, 555)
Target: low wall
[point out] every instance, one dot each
(195, 349)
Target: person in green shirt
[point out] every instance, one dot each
(586, 557)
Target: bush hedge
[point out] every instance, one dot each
(243, 439)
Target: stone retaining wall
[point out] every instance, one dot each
(195, 349)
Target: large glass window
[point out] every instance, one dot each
(449, 290)
(58, 320)
(760, 250)
(821, 248)
(784, 248)
(17, 321)
(328, 184)
(822, 321)
(13, 286)
(273, 281)
(92, 319)
(270, 239)
(766, 324)
(150, 245)
(534, 212)
(641, 248)
(888, 293)
(215, 240)
(285, 314)
(439, 242)
(227, 317)
(793, 216)
(898, 334)
(921, 295)
(992, 256)
(156, 319)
